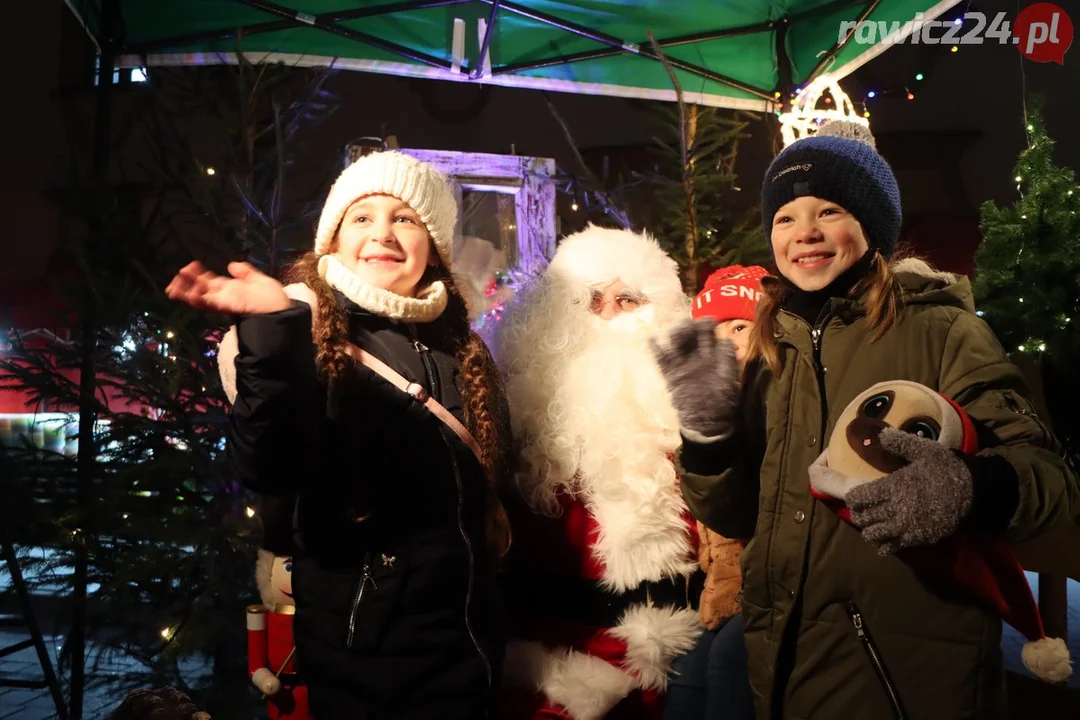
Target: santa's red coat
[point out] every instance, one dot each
(587, 670)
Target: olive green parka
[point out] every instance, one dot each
(811, 582)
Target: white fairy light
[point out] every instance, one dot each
(805, 117)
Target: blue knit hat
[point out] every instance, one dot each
(838, 163)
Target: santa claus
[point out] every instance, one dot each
(604, 579)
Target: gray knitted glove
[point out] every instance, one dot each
(702, 375)
(919, 504)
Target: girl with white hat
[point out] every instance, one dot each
(361, 390)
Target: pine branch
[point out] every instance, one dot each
(687, 133)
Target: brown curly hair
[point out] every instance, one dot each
(483, 394)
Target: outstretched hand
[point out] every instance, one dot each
(247, 292)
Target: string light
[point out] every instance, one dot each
(166, 633)
(954, 49)
(805, 117)
(249, 511)
(211, 171)
(574, 206)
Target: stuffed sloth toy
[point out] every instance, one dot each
(903, 432)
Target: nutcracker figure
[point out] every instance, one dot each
(271, 653)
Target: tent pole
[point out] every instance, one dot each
(624, 46)
(566, 25)
(86, 459)
(300, 18)
(831, 55)
(611, 52)
(225, 33)
(785, 72)
(479, 69)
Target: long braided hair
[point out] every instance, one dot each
(483, 394)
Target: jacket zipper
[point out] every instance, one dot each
(432, 373)
(365, 578)
(819, 371)
(1015, 407)
(875, 658)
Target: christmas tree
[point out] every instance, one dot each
(1027, 285)
(161, 538)
(700, 223)
(690, 200)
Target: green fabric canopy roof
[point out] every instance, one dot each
(727, 53)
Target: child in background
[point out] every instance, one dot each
(712, 680)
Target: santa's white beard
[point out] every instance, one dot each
(593, 411)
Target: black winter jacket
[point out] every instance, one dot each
(397, 613)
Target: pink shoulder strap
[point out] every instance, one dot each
(418, 392)
(299, 291)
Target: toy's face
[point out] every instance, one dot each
(281, 581)
(855, 448)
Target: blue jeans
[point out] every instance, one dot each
(711, 681)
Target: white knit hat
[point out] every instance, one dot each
(420, 185)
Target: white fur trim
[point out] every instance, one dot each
(694, 436)
(915, 266)
(598, 256)
(655, 636)
(226, 362)
(1048, 659)
(425, 307)
(585, 686)
(228, 347)
(301, 292)
(828, 481)
(643, 533)
(424, 188)
(264, 566)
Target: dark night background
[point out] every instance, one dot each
(952, 147)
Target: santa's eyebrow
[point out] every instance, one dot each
(632, 295)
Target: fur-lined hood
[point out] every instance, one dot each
(923, 284)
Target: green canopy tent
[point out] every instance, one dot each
(726, 53)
